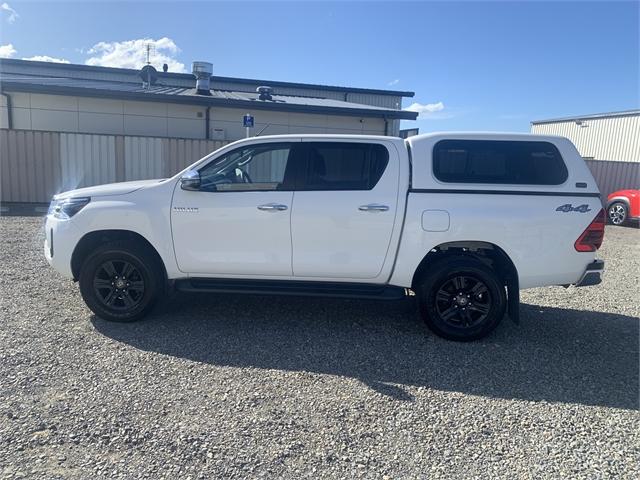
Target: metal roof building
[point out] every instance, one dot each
(102, 100)
(64, 126)
(609, 143)
(611, 136)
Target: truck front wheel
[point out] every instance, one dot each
(121, 281)
(460, 298)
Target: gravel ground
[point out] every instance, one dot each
(255, 387)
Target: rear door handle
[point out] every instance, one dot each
(272, 207)
(373, 207)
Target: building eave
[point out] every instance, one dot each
(204, 100)
(592, 116)
(214, 78)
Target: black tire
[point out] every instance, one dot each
(470, 316)
(617, 213)
(107, 268)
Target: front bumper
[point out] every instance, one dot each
(592, 274)
(61, 237)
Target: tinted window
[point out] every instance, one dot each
(344, 166)
(256, 167)
(503, 162)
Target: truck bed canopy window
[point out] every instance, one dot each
(498, 162)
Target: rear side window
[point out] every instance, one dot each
(499, 162)
(344, 166)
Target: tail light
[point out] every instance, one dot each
(591, 238)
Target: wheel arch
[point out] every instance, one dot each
(92, 240)
(487, 252)
(620, 199)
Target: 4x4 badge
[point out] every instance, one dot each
(567, 207)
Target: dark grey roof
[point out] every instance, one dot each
(623, 113)
(214, 78)
(135, 91)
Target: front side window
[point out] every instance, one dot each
(344, 166)
(256, 167)
(498, 162)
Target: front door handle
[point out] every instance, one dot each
(373, 207)
(272, 207)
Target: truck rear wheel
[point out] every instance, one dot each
(121, 281)
(461, 298)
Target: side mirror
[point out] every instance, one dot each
(190, 180)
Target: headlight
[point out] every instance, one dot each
(67, 207)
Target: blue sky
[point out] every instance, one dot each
(473, 65)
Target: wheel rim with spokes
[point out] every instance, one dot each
(617, 214)
(463, 301)
(118, 285)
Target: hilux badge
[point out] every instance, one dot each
(567, 207)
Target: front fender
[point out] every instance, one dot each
(146, 213)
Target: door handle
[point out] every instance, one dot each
(272, 207)
(373, 207)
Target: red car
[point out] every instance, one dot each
(623, 206)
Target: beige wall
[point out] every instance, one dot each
(228, 122)
(33, 111)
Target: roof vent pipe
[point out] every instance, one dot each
(202, 71)
(265, 93)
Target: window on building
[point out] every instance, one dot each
(498, 162)
(344, 166)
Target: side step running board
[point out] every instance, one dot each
(288, 287)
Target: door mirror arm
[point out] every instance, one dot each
(190, 180)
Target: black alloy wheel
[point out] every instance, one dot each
(118, 285)
(463, 301)
(461, 298)
(121, 281)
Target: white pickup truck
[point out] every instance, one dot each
(463, 221)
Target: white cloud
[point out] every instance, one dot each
(7, 51)
(9, 12)
(133, 54)
(425, 110)
(394, 82)
(47, 58)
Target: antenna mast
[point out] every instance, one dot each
(149, 47)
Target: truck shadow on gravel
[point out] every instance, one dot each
(554, 355)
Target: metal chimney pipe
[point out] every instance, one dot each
(202, 71)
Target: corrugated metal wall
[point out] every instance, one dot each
(143, 158)
(36, 165)
(29, 165)
(612, 176)
(87, 160)
(611, 138)
(180, 153)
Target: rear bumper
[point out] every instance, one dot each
(592, 274)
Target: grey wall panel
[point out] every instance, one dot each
(143, 158)
(29, 166)
(54, 120)
(109, 123)
(186, 128)
(87, 160)
(611, 176)
(145, 125)
(180, 153)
